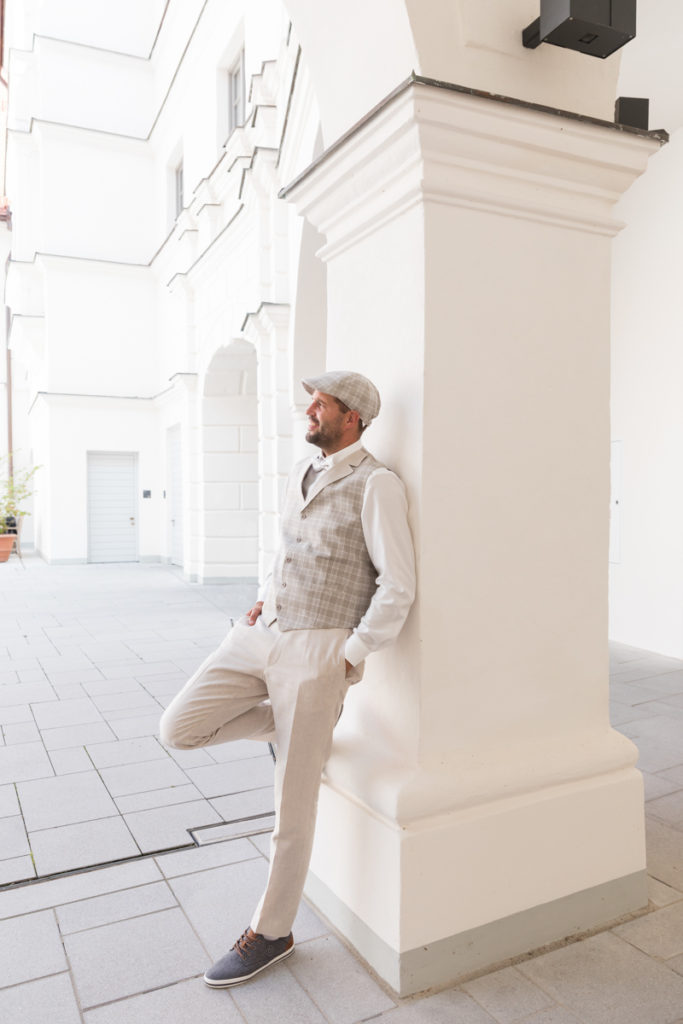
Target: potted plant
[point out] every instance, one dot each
(14, 491)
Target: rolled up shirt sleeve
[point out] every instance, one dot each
(384, 517)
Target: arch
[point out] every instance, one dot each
(228, 541)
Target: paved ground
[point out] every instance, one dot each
(88, 657)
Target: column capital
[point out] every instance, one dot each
(436, 142)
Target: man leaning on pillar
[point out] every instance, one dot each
(341, 587)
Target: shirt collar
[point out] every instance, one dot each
(321, 461)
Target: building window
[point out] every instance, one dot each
(236, 93)
(178, 179)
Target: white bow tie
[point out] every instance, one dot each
(319, 462)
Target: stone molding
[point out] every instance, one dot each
(429, 142)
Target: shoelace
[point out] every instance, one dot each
(243, 943)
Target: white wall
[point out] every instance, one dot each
(646, 583)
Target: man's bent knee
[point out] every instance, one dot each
(172, 735)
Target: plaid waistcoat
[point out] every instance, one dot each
(323, 577)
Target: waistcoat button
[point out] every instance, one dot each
(284, 585)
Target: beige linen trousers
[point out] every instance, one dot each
(284, 687)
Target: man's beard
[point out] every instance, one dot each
(321, 437)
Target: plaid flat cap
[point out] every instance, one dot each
(353, 389)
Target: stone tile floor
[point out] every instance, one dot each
(89, 655)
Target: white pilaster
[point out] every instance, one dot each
(477, 803)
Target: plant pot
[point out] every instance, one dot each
(6, 544)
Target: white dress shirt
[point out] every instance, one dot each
(384, 519)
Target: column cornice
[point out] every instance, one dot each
(435, 142)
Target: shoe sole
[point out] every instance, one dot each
(229, 982)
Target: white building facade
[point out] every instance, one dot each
(211, 199)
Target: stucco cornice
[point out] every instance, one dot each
(432, 143)
(659, 135)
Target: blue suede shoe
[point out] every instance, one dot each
(251, 954)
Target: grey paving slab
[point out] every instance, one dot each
(659, 741)
(9, 805)
(31, 948)
(337, 983)
(117, 906)
(659, 934)
(606, 981)
(190, 758)
(157, 798)
(81, 845)
(662, 895)
(142, 725)
(64, 800)
(186, 1001)
(556, 1015)
(632, 693)
(51, 661)
(25, 693)
(664, 853)
(105, 755)
(102, 687)
(77, 735)
(52, 714)
(507, 995)
(21, 732)
(16, 869)
(220, 902)
(131, 957)
(674, 776)
(122, 780)
(23, 761)
(119, 714)
(242, 805)
(277, 996)
(124, 700)
(452, 1007)
(31, 675)
(163, 827)
(668, 809)
(68, 691)
(36, 1002)
(13, 840)
(233, 776)
(77, 887)
(657, 785)
(142, 669)
(69, 760)
(16, 713)
(107, 651)
(201, 858)
(239, 750)
(262, 844)
(73, 676)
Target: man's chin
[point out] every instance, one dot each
(313, 437)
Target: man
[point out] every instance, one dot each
(341, 587)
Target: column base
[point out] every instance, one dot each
(488, 947)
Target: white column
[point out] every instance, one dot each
(477, 803)
(268, 329)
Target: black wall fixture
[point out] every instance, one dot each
(595, 27)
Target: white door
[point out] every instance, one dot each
(112, 507)
(174, 477)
